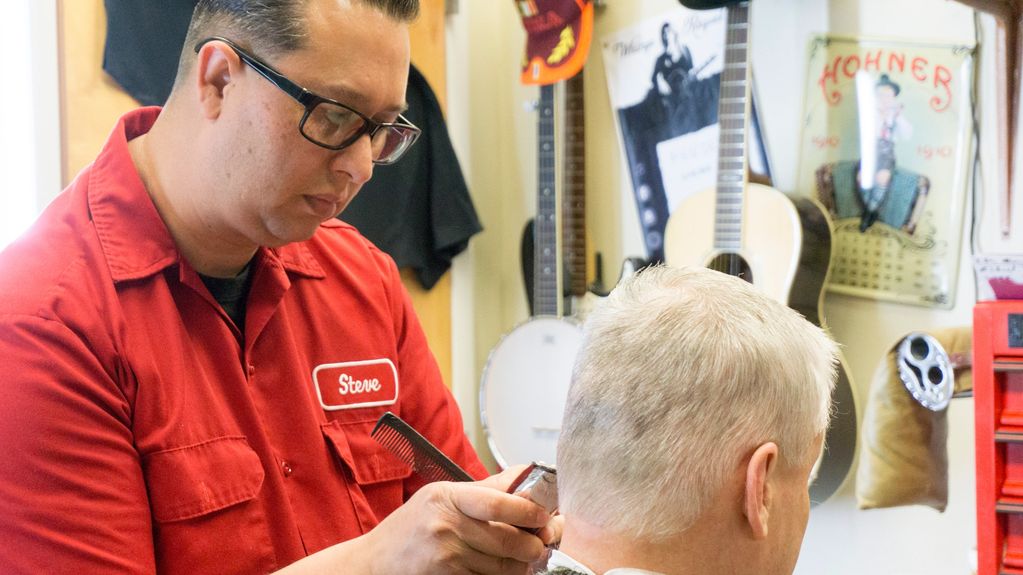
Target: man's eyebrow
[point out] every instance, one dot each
(350, 97)
(400, 109)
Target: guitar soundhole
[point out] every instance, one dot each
(733, 265)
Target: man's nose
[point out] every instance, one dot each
(356, 161)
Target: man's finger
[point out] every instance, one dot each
(499, 540)
(550, 534)
(503, 481)
(483, 564)
(486, 504)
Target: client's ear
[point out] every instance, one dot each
(758, 488)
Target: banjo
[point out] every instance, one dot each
(526, 378)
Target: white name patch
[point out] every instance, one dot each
(354, 384)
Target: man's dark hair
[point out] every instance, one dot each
(270, 27)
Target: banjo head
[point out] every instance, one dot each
(524, 388)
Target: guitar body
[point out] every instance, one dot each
(786, 253)
(772, 264)
(524, 388)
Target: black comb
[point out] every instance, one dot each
(415, 450)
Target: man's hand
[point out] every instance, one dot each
(462, 528)
(447, 528)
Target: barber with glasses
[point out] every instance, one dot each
(195, 350)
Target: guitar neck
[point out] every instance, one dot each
(733, 109)
(546, 284)
(573, 211)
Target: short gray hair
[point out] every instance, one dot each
(271, 27)
(682, 373)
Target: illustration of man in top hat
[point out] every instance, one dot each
(890, 126)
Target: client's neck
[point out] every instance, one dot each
(717, 543)
(602, 550)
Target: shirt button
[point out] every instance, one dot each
(286, 468)
(252, 369)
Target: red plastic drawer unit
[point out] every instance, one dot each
(1013, 541)
(1012, 486)
(998, 405)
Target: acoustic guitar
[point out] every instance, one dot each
(526, 378)
(784, 249)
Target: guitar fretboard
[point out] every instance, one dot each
(733, 107)
(546, 292)
(573, 212)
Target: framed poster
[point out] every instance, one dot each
(885, 147)
(663, 77)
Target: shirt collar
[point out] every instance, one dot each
(134, 238)
(559, 559)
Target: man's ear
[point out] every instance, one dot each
(758, 497)
(215, 65)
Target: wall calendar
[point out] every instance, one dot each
(885, 147)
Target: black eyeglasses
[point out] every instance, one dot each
(331, 124)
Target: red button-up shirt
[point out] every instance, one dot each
(140, 432)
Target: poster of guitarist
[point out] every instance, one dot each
(884, 147)
(672, 67)
(684, 95)
(663, 78)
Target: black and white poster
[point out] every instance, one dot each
(663, 78)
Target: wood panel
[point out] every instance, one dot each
(91, 103)
(434, 306)
(427, 35)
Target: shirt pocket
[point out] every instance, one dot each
(207, 516)
(378, 475)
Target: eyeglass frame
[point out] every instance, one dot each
(309, 100)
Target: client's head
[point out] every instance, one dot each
(692, 392)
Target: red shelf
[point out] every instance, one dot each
(998, 405)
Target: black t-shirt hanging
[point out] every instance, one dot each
(143, 45)
(419, 210)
